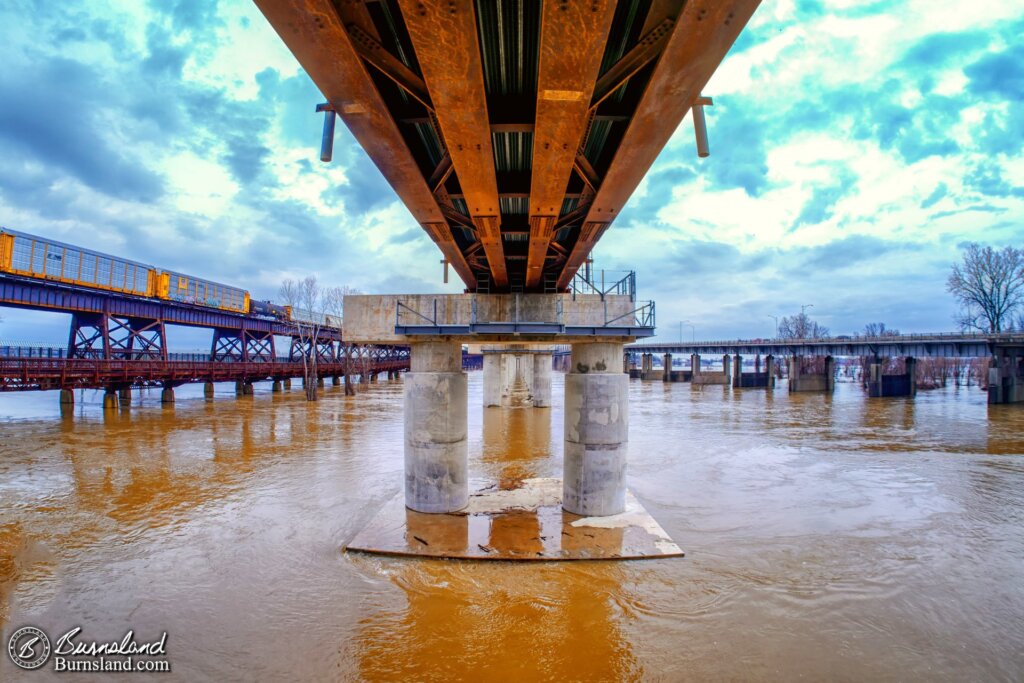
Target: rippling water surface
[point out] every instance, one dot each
(827, 538)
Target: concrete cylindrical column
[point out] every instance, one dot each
(167, 395)
(666, 361)
(288, 384)
(435, 429)
(110, 400)
(67, 397)
(492, 380)
(542, 380)
(125, 396)
(276, 386)
(737, 371)
(596, 431)
(208, 389)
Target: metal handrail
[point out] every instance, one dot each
(624, 286)
(644, 319)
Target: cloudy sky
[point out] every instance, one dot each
(856, 146)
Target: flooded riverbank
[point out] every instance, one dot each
(829, 537)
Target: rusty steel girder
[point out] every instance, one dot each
(514, 131)
(700, 39)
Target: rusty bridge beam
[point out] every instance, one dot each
(317, 37)
(572, 42)
(444, 36)
(701, 37)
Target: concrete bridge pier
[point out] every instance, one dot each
(436, 459)
(167, 394)
(110, 399)
(1006, 376)
(667, 369)
(802, 380)
(208, 389)
(882, 385)
(67, 397)
(542, 365)
(335, 381)
(517, 377)
(276, 386)
(701, 377)
(596, 431)
(755, 379)
(492, 380)
(288, 384)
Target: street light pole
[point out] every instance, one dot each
(693, 331)
(776, 324)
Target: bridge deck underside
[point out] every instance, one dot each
(514, 132)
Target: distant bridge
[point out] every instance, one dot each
(908, 345)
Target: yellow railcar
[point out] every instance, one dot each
(38, 257)
(192, 290)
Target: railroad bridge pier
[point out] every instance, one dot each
(517, 376)
(517, 331)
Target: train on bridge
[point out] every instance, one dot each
(41, 258)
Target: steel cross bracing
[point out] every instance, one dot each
(514, 131)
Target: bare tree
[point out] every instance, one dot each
(880, 330)
(989, 285)
(800, 326)
(335, 306)
(306, 298)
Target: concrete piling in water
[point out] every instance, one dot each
(208, 389)
(276, 386)
(436, 460)
(110, 401)
(542, 364)
(167, 395)
(667, 370)
(124, 395)
(335, 381)
(288, 384)
(492, 380)
(67, 397)
(596, 431)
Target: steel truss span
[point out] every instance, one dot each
(514, 132)
(42, 374)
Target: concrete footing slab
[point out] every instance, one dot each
(525, 523)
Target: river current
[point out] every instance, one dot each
(827, 537)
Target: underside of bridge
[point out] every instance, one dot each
(513, 130)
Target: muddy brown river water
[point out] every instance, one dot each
(827, 538)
